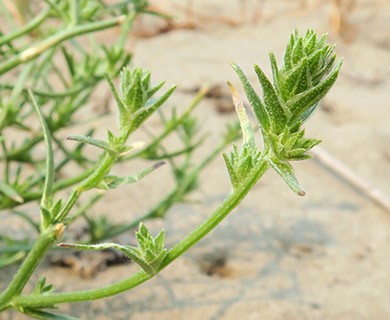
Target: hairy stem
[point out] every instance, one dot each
(201, 231)
(90, 182)
(46, 239)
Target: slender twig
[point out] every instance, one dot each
(351, 177)
(26, 28)
(201, 231)
(37, 49)
(49, 176)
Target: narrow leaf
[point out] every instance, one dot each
(146, 79)
(69, 60)
(287, 54)
(296, 152)
(144, 113)
(136, 94)
(114, 182)
(304, 103)
(92, 141)
(256, 103)
(247, 131)
(89, 247)
(297, 53)
(310, 41)
(128, 251)
(275, 70)
(120, 103)
(10, 192)
(230, 168)
(153, 90)
(286, 171)
(160, 241)
(277, 112)
(47, 189)
(293, 80)
(44, 315)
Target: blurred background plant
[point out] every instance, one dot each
(52, 48)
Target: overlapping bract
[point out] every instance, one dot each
(308, 71)
(149, 254)
(240, 163)
(136, 102)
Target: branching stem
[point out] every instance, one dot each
(201, 231)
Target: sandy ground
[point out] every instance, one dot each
(278, 256)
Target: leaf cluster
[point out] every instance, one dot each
(57, 73)
(308, 71)
(149, 253)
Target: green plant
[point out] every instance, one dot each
(85, 64)
(308, 72)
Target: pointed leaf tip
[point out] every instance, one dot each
(286, 171)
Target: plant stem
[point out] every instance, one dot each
(52, 233)
(77, 88)
(7, 162)
(90, 182)
(218, 215)
(202, 230)
(49, 177)
(35, 50)
(160, 210)
(26, 28)
(44, 242)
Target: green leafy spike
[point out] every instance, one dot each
(308, 72)
(141, 115)
(304, 103)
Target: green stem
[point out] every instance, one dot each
(7, 162)
(74, 196)
(208, 225)
(160, 210)
(90, 182)
(35, 50)
(51, 234)
(49, 177)
(44, 242)
(63, 184)
(26, 28)
(76, 89)
(218, 215)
